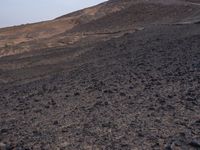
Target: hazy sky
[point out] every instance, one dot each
(16, 12)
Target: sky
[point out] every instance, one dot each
(17, 12)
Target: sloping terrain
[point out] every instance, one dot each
(19, 39)
(96, 21)
(140, 91)
(130, 81)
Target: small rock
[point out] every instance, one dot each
(195, 143)
(191, 99)
(76, 94)
(108, 91)
(3, 131)
(38, 110)
(168, 147)
(122, 94)
(197, 122)
(107, 125)
(131, 87)
(106, 103)
(170, 96)
(36, 133)
(53, 102)
(55, 123)
(47, 106)
(140, 135)
(36, 100)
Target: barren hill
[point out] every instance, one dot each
(122, 75)
(19, 39)
(101, 18)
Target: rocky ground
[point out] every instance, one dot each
(139, 91)
(135, 90)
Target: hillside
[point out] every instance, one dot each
(127, 78)
(102, 18)
(25, 38)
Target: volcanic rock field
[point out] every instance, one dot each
(122, 75)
